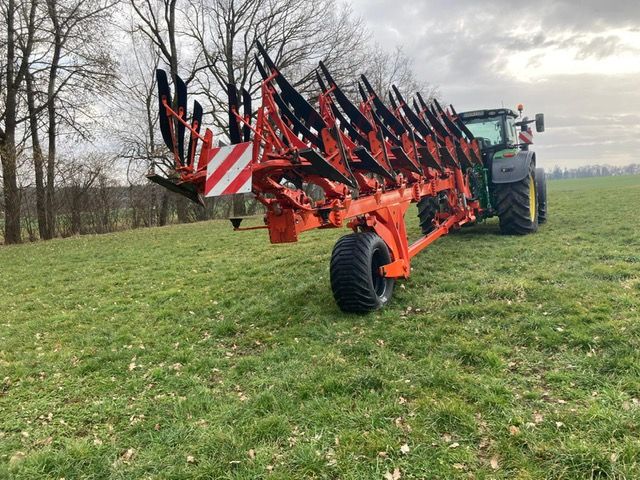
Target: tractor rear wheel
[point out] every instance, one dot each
(517, 205)
(427, 210)
(355, 275)
(541, 187)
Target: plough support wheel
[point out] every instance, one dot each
(357, 283)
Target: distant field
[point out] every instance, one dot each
(195, 352)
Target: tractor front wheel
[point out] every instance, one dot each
(517, 205)
(355, 275)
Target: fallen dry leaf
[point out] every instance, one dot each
(128, 455)
(45, 441)
(513, 430)
(494, 463)
(405, 449)
(454, 445)
(396, 475)
(17, 457)
(252, 454)
(459, 466)
(538, 418)
(382, 454)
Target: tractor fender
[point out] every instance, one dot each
(512, 169)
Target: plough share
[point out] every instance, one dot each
(369, 162)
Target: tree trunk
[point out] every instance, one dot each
(75, 213)
(182, 209)
(12, 229)
(51, 113)
(164, 208)
(50, 194)
(38, 161)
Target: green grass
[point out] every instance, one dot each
(196, 352)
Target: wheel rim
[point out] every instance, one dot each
(379, 282)
(532, 198)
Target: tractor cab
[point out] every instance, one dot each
(501, 129)
(494, 129)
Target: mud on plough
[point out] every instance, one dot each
(371, 161)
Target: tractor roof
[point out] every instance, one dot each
(487, 113)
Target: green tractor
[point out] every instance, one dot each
(508, 184)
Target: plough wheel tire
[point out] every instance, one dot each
(517, 205)
(541, 186)
(355, 275)
(427, 210)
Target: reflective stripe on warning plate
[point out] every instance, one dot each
(229, 170)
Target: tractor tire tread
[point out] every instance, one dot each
(541, 185)
(512, 206)
(427, 210)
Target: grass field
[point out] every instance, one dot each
(195, 352)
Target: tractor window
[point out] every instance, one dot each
(490, 129)
(512, 136)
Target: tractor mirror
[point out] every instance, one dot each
(539, 122)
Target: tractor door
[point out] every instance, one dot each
(511, 132)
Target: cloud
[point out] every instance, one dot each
(573, 62)
(601, 47)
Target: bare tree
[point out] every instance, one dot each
(77, 176)
(394, 67)
(297, 33)
(137, 99)
(158, 21)
(79, 65)
(18, 17)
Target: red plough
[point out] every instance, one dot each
(370, 162)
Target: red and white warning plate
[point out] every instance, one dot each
(229, 170)
(526, 137)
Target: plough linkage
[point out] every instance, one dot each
(369, 161)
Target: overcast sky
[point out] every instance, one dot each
(578, 62)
